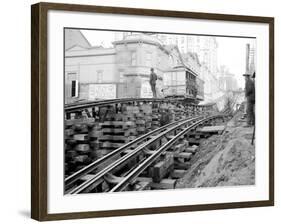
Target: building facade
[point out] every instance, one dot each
(205, 47)
(93, 73)
(227, 80)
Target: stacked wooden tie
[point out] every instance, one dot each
(79, 147)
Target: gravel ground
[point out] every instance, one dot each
(223, 160)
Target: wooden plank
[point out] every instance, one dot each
(70, 154)
(169, 137)
(111, 145)
(117, 123)
(181, 165)
(180, 147)
(119, 131)
(101, 152)
(212, 129)
(68, 132)
(82, 148)
(95, 144)
(113, 138)
(82, 159)
(194, 141)
(139, 122)
(141, 186)
(95, 134)
(80, 137)
(177, 173)
(79, 121)
(183, 155)
(141, 129)
(191, 149)
(162, 168)
(164, 183)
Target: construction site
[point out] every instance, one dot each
(153, 144)
(150, 111)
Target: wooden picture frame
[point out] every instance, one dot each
(39, 109)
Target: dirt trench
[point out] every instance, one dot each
(223, 160)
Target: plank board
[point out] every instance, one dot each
(163, 184)
(162, 168)
(178, 173)
(212, 129)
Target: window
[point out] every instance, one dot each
(159, 60)
(74, 88)
(71, 73)
(133, 58)
(170, 41)
(99, 76)
(182, 40)
(174, 79)
(121, 76)
(148, 59)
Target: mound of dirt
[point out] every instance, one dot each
(223, 160)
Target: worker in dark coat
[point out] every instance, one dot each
(250, 96)
(152, 82)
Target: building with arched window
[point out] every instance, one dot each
(123, 70)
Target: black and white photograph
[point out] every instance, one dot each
(149, 111)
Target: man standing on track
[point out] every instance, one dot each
(152, 81)
(250, 95)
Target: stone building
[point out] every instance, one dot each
(85, 67)
(227, 80)
(96, 72)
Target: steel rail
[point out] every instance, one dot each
(80, 106)
(87, 184)
(136, 172)
(83, 105)
(89, 168)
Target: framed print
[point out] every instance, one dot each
(139, 111)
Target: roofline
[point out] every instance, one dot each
(74, 45)
(140, 40)
(85, 38)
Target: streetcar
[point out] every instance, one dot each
(183, 83)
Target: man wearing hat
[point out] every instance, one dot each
(152, 82)
(250, 95)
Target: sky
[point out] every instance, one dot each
(99, 37)
(231, 50)
(232, 53)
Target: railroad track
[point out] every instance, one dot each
(98, 103)
(105, 168)
(100, 162)
(80, 106)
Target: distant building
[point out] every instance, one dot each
(206, 49)
(204, 46)
(227, 80)
(192, 62)
(250, 59)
